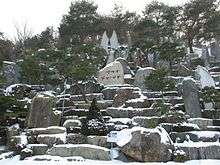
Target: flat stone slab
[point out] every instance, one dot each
(200, 150)
(86, 151)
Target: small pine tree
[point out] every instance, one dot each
(158, 81)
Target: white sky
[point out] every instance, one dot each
(38, 14)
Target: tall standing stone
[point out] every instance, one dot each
(41, 113)
(215, 51)
(112, 74)
(191, 98)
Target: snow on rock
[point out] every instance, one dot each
(10, 89)
(146, 145)
(125, 135)
(120, 120)
(205, 78)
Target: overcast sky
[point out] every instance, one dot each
(38, 14)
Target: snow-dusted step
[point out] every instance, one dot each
(48, 130)
(75, 112)
(89, 97)
(195, 136)
(79, 112)
(130, 112)
(51, 139)
(211, 113)
(173, 100)
(200, 150)
(86, 151)
(203, 123)
(179, 127)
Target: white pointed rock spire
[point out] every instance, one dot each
(114, 41)
(105, 41)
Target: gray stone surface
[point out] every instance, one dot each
(203, 123)
(76, 139)
(111, 74)
(191, 98)
(140, 76)
(48, 130)
(84, 150)
(194, 152)
(97, 140)
(147, 122)
(126, 68)
(131, 112)
(51, 139)
(38, 149)
(41, 113)
(11, 72)
(149, 145)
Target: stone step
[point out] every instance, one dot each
(89, 97)
(172, 100)
(211, 113)
(213, 128)
(179, 127)
(130, 112)
(80, 112)
(48, 130)
(195, 136)
(203, 123)
(200, 150)
(110, 91)
(86, 151)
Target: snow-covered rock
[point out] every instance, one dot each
(146, 145)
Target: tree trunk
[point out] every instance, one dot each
(190, 44)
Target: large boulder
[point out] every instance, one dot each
(41, 113)
(140, 76)
(84, 150)
(125, 64)
(146, 145)
(111, 74)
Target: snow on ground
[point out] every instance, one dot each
(54, 160)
